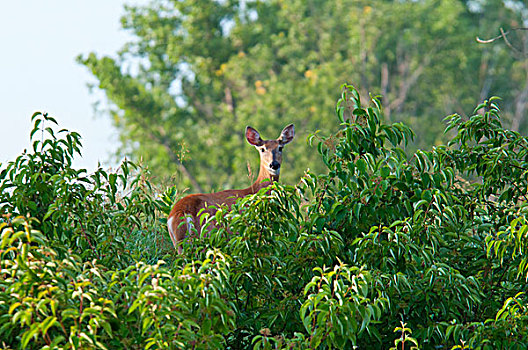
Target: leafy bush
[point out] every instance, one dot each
(49, 302)
(385, 250)
(97, 215)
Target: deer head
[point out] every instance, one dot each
(270, 151)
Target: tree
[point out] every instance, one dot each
(200, 71)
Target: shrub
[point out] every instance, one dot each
(51, 302)
(386, 249)
(98, 215)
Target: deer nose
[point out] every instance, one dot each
(275, 165)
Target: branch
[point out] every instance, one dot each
(408, 82)
(182, 167)
(504, 35)
(160, 137)
(164, 141)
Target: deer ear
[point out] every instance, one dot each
(253, 136)
(287, 134)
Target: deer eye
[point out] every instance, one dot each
(280, 148)
(262, 149)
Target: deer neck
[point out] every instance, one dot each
(264, 179)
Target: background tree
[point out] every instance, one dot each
(199, 71)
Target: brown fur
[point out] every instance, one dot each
(191, 206)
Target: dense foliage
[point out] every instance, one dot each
(90, 213)
(384, 249)
(197, 72)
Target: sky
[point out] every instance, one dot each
(39, 43)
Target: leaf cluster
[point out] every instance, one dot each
(98, 215)
(51, 302)
(384, 249)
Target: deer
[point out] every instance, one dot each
(185, 215)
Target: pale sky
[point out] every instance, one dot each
(39, 42)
